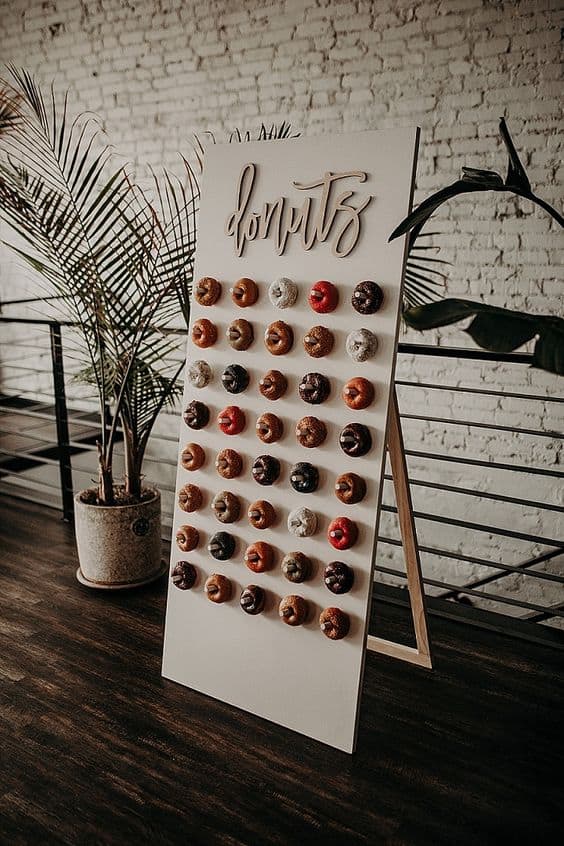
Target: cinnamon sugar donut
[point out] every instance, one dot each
(190, 498)
(269, 428)
(334, 623)
(350, 488)
(318, 342)
(184, 575)
(311, 432)
(293, 610)
(228, 463)
(207, 291)
(273, 385)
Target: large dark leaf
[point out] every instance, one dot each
(441, 313)
(501, 332)
(549, 349)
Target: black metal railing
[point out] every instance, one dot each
(48, 430)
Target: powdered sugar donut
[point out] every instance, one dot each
(361, 344)
(283, 293)
(199, 373)
(302, 522)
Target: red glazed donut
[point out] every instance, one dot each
(342, 533)
(323, 297)
(204, 333)
(244, 292)
(259, 557)
(231, 420)
(358, 393)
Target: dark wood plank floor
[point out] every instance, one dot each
(96, 748)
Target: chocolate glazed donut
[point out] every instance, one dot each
(235, 379)
(314, 388)
(184, 575)
(266, 469)
(367, 297)
(196, 415)
(252, 599)
(355, 440)
(338, 577)
(221, 546)
(304, 477)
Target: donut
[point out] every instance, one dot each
(355, 440)
(323, 297)
(261, 514)
(279, 338)
(244, 292)
(273, 385)
(235, 378)
(187, 538)
(302, 522)
(367, 297)
(183, 575)
(204, 333)
(342, 533)
(207, 291)
(193, 457)
(283, 293)
(218, 588)
(296, 567)
(269, 428)
(221, 546)
(266, 469)
(338, 577)
(196, 415)
(293, 610)
(358, 393)
(318, 342)
(240, 334)
(350, 488)
(314, 388)
(231, 420)
(252, 599)
(190, 498)
(311, 432)
(334, 623)
(304, 477)
(259, 557)
(199, 374)
(361, 344)
(228, 463)
(226, 507)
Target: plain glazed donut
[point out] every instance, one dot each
(334, 623)
(293, 610)
(218, 588)
(261, 514)
(204, 333)
(279, 338)
(193, 457)
(207, 291)
(358, 393)
(187, 538)
(244, 292)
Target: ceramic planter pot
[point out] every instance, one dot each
(119, 546)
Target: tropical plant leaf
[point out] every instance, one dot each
(501, 332)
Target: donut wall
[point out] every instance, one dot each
(290, 363)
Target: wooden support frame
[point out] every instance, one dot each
(421, 654)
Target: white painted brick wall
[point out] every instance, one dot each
(159, 71)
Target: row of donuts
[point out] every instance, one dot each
(302, 522)
(355, 439)
(292, 609)
(314, 388)
(360, 344)
(323, 296)
(259, 557)
(304, 476)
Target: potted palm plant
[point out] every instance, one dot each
(120, 266)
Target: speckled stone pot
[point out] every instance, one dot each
(119, 544)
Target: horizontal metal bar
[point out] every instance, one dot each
(474, 424)
(463, 352)
(513, 500)
(490, 597)
(479, 527)
(483, 562)
(492, 465)
(521, 569)
(481, 391)
(542, 616)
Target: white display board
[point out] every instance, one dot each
(294, 676)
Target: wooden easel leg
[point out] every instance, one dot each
(422, 654)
